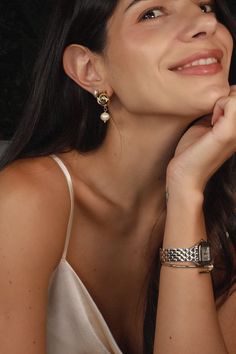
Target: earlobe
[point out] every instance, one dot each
(80, 65)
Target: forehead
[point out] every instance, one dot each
(130, 3)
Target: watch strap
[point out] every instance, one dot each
(180, 254)
(199, 254)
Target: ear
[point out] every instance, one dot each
(85, 68)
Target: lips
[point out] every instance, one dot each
(214, 53)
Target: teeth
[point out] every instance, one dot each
(207, 61)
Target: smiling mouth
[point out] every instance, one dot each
(200, 62)
(207, 62)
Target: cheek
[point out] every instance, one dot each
(134, 74)
(127, 76)
(226, 38)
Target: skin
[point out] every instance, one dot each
(151, 109)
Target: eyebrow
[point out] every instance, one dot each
(133, 3)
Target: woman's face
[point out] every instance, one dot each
(146, 38)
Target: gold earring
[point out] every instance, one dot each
(103, 100)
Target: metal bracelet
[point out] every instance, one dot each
(202, 269)
(180, 254)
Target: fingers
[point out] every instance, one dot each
(217, 113)
(221, 139)
(220, 105)
(218, 110)
(224, 122)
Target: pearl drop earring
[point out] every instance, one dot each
(103, 100)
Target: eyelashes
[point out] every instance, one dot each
(152, 13)
(159, 11)
(207, 5)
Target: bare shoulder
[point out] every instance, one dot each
(34, 211)
(34, 197)
(227, 320)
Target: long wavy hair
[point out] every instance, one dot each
(59, 117)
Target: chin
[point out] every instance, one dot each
(219, 91)
(213, 94)
(203, 104)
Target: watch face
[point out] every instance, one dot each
(204, 252)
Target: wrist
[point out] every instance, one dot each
(183, 196)
(184, 218)
(181, 183)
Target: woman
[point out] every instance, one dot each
(133, 101)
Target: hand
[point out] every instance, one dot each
(204, 148)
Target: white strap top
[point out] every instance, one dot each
(74, 323)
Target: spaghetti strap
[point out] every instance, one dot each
(71, 191)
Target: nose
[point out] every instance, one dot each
(199, 26)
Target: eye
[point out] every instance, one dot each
(207, 8)
(152, 14)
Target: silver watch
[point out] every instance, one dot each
(199, 254)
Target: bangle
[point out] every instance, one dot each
(202, 269)
(199, 256)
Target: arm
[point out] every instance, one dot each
(187, 320)
(31, 241)
(227, 315)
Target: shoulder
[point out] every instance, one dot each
(28, 172)
(34, 204)
(34, 211)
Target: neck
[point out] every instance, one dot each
(132, 162)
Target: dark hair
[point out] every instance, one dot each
(61, 116)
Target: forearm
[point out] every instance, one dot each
(186, 317)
